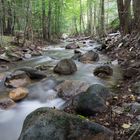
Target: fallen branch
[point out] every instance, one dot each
(131, 137)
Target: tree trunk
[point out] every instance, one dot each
(80, 16)
(49, 20)
(102, 28)
(1, 23)
(44, 19)
(9, 20)
(95, 22)
(136, 10)
(3, 16)
(124, 15)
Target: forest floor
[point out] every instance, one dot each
(126, 50)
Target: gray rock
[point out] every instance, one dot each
(27, 56)
(33, 73)
(92, 101)
(4, 59)
(6, 103)
(135, 108)
(3, 67)
(89, 56)
(66, 67)
(49, 124)
(17, 79)
(72, 46)
(103, 71)
(71, 88)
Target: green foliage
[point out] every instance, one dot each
(115, 23)
(67, 16)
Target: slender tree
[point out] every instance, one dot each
(136, 10)
(44, 19)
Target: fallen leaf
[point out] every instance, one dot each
(132, 97)
(126, 126)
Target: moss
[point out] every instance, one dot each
(115, 23)
(6, 42)
(82, 117)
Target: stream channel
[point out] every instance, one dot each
(42, 93)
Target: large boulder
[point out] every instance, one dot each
(18, 94)
(90, 56)
(66, 67)
(49, 124)
(17, 79)
(71, 88)
(92, 101)
(103, 71)
(33, 73)
(6, 103)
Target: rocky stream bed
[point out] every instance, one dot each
(77, 82)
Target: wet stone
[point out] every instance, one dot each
(17, 79)
(65, 67)
(18, 94)
(6, 103)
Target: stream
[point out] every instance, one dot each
(42, 93)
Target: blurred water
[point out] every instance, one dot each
(42, 93)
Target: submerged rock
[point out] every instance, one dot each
(3, 67)
(17, 79)
(66, 67)
(76, 56)
(90, 56)
(18, 94)
(33, 73)
(6, 103)
(103, 71)
(92, 101)
(71, 88)
(49, 124)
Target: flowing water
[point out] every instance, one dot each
(42, 93)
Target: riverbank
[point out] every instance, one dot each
(126, 51)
